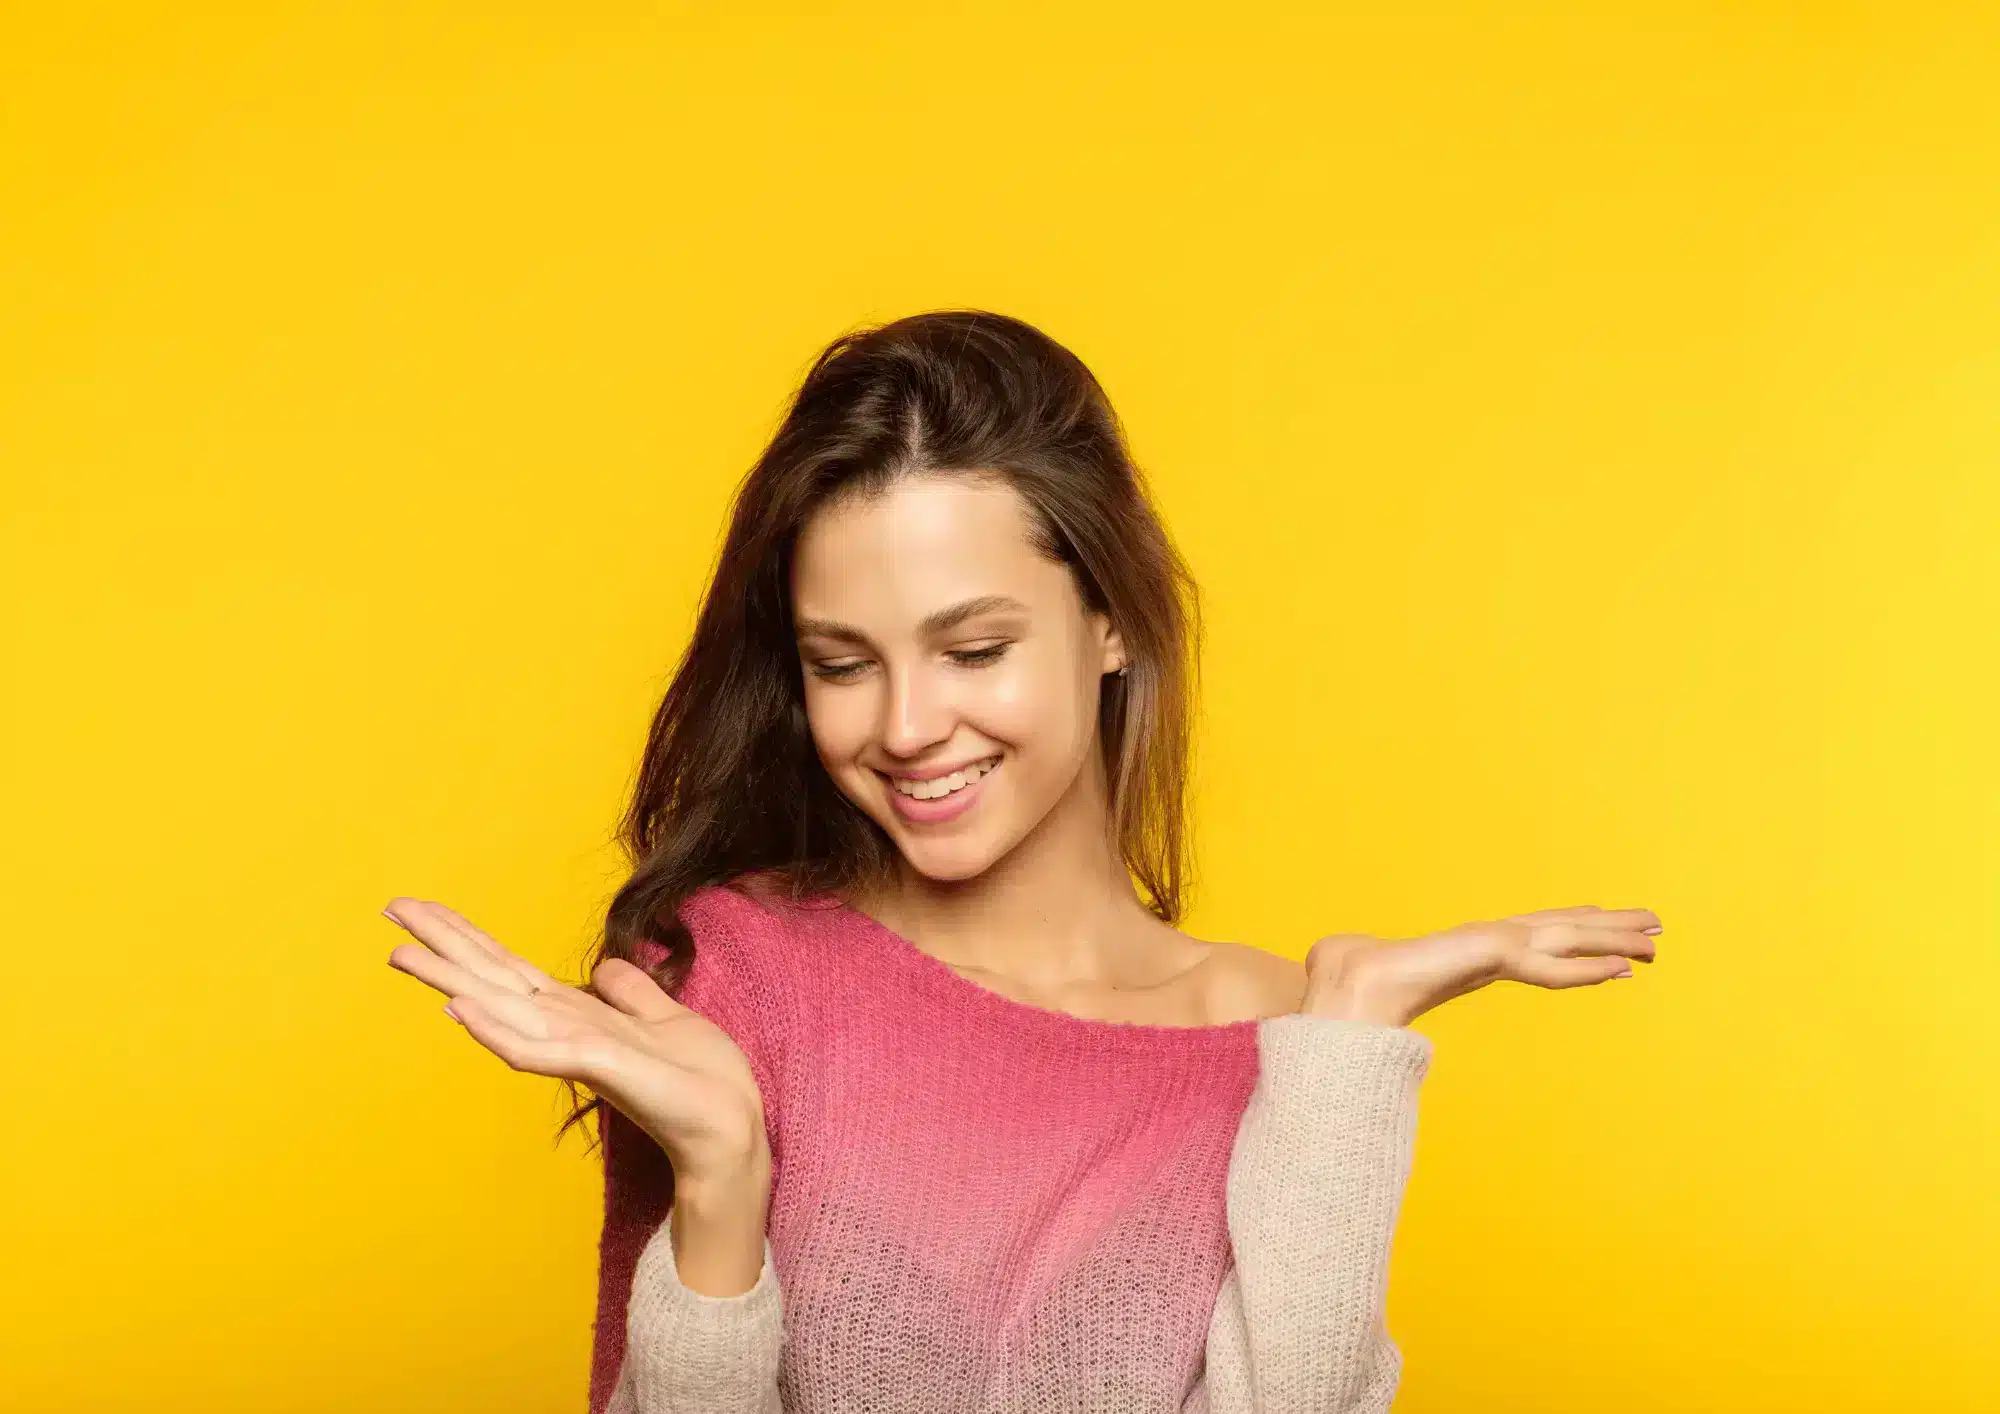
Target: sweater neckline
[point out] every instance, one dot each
(940, 980)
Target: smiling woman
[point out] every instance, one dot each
(980, 717)
(947, 630)
(913, 1095)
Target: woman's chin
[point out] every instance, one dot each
(949, 860)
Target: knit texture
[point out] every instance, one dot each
(981, 1206)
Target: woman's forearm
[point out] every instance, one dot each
(705, 1324)
(1315, 1183)
(717, 1224)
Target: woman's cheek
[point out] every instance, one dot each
(1010, 710)
(839, 731)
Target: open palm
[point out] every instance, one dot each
(676, 1074)
(1398, 980)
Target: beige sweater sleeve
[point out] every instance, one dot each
(686, 1353)
(1315, 1183)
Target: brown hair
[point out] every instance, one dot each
(731, 783)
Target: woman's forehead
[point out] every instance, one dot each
(923, 548)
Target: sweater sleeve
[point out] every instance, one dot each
(1315, 1182)
(687, 1353)
(655, 1340)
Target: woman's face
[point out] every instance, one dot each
(951, 672)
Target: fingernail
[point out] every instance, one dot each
(1654, 929)
(1626, 973)
(392, 918)
(453, 1015)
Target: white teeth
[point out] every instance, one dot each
(939, 786)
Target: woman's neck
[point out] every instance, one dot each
(1058, 910)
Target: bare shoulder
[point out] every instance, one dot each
(1248, 983)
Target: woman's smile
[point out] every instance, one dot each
(929, 800)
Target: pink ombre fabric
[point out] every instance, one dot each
(1003, 1205)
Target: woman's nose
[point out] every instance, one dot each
(918, 711)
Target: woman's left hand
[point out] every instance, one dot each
(1394, 981)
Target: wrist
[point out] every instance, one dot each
(725, 1182)
(1354, 1000)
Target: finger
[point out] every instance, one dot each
(486, 944)
(632, 991)
(539, 1055)
(1556, 915)
(1636, 918)
(1590, 913)
(447, 976)
(1541, 970)
(1572, 940)
(423, 921)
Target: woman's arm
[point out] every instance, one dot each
(688, 1302)
(691, 1353)
(1325, 1146)
(1315, 1183)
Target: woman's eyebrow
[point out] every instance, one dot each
(942, 621)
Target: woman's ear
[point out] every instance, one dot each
(1114, 659)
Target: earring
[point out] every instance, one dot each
(1121, 669)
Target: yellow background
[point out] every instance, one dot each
(1584, 421)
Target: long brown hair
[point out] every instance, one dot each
(731, 783)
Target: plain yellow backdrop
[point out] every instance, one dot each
(1584, 421)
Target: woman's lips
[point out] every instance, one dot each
(945, 807)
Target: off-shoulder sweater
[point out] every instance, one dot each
(981, 1206)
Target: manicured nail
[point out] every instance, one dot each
(453, 1015)
(392, 918)
(1654, 929)
(1626, 973)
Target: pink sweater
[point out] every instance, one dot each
(983, 1205)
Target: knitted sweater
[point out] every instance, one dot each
(980, 1206)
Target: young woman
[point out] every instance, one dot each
(917, 1098)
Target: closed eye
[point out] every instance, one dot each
(964, 657)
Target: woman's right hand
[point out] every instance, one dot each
(674, 1073)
